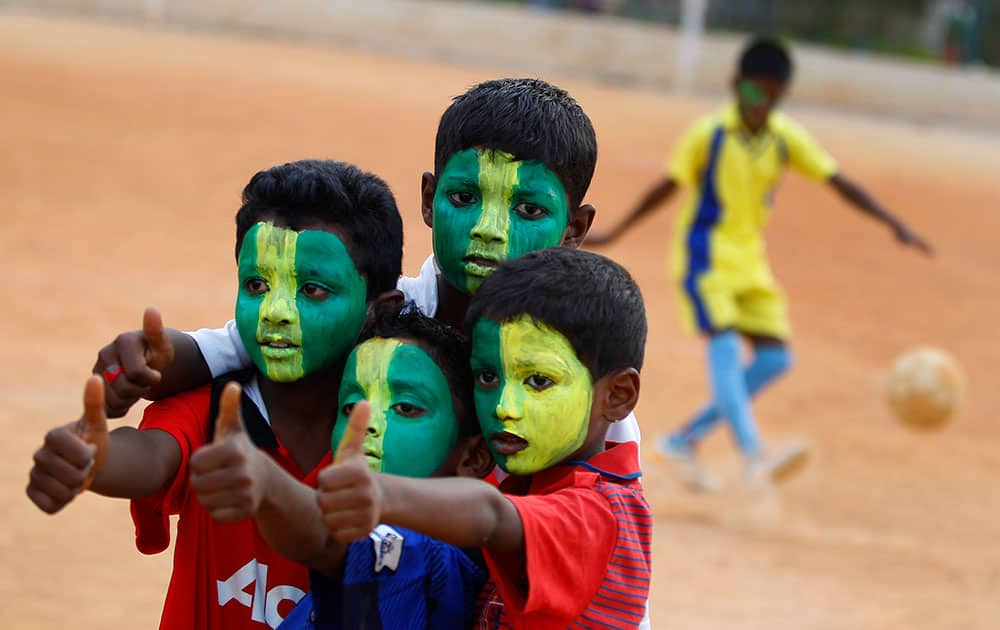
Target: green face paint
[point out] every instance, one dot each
(533, 394)
(489, 207)
(751, 94)
(301, 301)
(413, 424)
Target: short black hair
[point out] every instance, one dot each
(359, 204)
(766, 57)
(448, 347)
(529, 118)
(590, 299)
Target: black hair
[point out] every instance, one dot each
(766, 57)
(448, 347)
(358, 204)
(590, 299)
(528, 118)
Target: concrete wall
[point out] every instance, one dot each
(526, 41)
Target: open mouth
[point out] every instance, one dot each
(507, 443)
(277, 348)
(479, 266)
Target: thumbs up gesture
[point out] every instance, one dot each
(229, 475)
(350, 495)
(134, 362)
(71, 455)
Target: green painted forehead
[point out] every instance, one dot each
(469, 165)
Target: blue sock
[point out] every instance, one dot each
(768, 364)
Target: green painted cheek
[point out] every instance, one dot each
(417, 447)
(329, 328)
(528, 235)
(486, 354)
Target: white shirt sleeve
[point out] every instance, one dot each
(222, 348)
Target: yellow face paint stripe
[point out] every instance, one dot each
(276, 253)
(372, 373)
(497, 172)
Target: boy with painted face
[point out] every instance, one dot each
(316, 241)
(732, 161)
(513, 159)
(558, 339)
(413, 371)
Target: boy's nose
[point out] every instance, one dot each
(508, 407)
(278, 309)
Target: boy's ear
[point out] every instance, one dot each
(428, 185)
(620, 394)
(476, 460)
(578, 226)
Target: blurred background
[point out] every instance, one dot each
(130, 127)
(950, 31)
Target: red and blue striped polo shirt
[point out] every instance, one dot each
(587, 538)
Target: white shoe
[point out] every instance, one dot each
(778, 465)
(693, 474)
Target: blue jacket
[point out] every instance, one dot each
(396, 580)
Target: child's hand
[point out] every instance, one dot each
(350, 496)
(228, 476)
(134, 362)
(66, 463)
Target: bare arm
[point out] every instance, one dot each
(858, 197)
(82, 455)
(138, 463)
(660, 192)
(478, 514)
(234, 480)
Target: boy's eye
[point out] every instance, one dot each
(348, 408)
(256, 286)
(462, 198)
(408, 410)
(314, 291)
(538, 382)
(487, 379)
(530, 211)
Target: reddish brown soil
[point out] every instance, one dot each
(124, 154)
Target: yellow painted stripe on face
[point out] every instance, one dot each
(276, 261)
(372, 374)
(497, 179)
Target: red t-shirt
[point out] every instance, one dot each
(586, 561)
(225, 575)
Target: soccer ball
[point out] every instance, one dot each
(924, 387)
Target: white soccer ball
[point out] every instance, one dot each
(925, 387)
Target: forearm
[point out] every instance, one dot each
(187, 371)
(658, 194)
(291, 522)
(138, 463)
(860, 199)
(461, 512)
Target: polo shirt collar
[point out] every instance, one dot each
(618, 463)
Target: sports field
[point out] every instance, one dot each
(124, 152)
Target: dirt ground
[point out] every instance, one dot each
(125, 150)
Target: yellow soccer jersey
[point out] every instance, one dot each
(718, 240)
